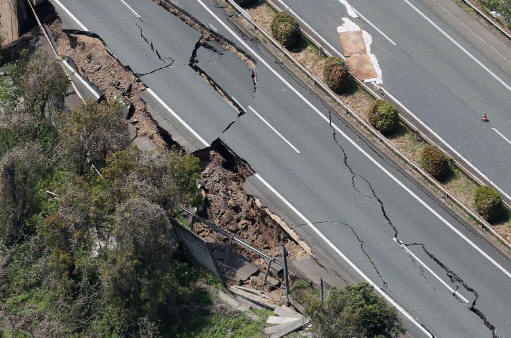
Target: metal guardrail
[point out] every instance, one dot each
(367, 126)
(487, 18)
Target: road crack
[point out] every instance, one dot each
(457, 281)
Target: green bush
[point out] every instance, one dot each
(336, 75)
(488, 203)
(434, 161)
(355, 311)
(285, 29)
(246, 3)
(383, 116)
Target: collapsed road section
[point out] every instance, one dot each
(319, 184)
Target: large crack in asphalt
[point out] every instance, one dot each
(456, 280)
(209, 35)
(167, 60)
(194, 64)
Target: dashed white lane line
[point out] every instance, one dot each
(431, 272)
(85, 83)
(190, 129)
(213, 28)
(457, 44)
(339, 252)
(374, 26)
(82, 26)
(130, 8)
(274, 130)
(356, 145)
(336, 51)
(447, 145)
(501, 135)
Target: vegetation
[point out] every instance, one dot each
(246, 3)
(86, 244)
(383, 117)
(354, 311)
(336, 75)
(488, 203)
(285, 29)
(501, 6)
(435, 162)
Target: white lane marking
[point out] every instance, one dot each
(82, 26)
(508, 87)
(374, 26)
(131, 9)
(274, 130)
(331, 245)
(85, 83)
(369, 157)
(501, 135)
(213, 28)
(150, 91)
(431, 271)
(474, 168)
(454, 151)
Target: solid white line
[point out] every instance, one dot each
(331, 245)
(85, 83)
(82, 26)
(474, 168)
(447, 145)
(274, 130)
(375, 162)
(501, 135)
(150, 91)
(508, 87)
(374, 26)
(431, 271)
(131, 9)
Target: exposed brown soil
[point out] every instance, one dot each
(230, 206)
(459, 185)
(227, 204)
(93, 60)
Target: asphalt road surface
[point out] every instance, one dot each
(349, 197)
(436, 62)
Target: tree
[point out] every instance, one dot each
(336, 75)
(286, 30)
(41, 81)
(91, 134)
(355, 311)
(488, 203)
(21, 170)
(383, 117)
(435, 162)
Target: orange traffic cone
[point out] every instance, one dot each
(485, 117)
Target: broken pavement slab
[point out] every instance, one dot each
(284, 329)
(313, 271)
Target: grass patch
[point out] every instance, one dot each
(220, 325)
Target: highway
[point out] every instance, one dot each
(349, 198)
(442, 66)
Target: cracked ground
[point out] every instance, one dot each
(212, 84)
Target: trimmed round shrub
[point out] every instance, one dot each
(285, 29)
(336, 75)
(488, 203)
(383, 116)
(434, 161)
(246, 3)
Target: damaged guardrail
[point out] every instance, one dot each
(319, 83)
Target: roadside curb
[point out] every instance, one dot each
(485, 225)
(487, 18)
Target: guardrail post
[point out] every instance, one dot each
(286, 277)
